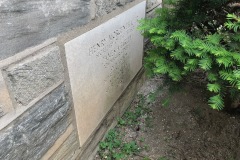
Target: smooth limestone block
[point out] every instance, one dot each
(32, 76)
(102, 62)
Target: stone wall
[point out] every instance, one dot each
(35, 104)
(37, 119)
(151, 6)
(27, 23)
(30, 136)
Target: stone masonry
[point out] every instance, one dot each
(25, 23)
(37, 119)
(30, 136)
(30, 77)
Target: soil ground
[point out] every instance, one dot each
(181, 126)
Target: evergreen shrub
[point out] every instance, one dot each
(190, 35)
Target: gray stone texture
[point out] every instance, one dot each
(25, 23)
(104, 7)
(1, 111)
(32, 134)
(151, 3)
(32, 76)
(68, 148)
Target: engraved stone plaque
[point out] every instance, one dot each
(101, 63)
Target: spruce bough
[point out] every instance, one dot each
(210, 43)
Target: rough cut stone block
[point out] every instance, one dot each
(31, 135)
(5, 101)
(104, 7)
(25, 23)
(101, 64)
(151, 3)
(32, 76)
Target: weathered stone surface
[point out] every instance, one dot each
(32, 76)
(68, 148)
(1, 111)
(151, 3)
(32, 134)
(25, 23)
(101, 64)
(5, 101)
(88, 151)
(107, 6)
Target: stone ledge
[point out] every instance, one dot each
(68, 149)
(11, 116)
(27, 52)
(60, 143)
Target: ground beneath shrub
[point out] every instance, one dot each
(181, 126)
